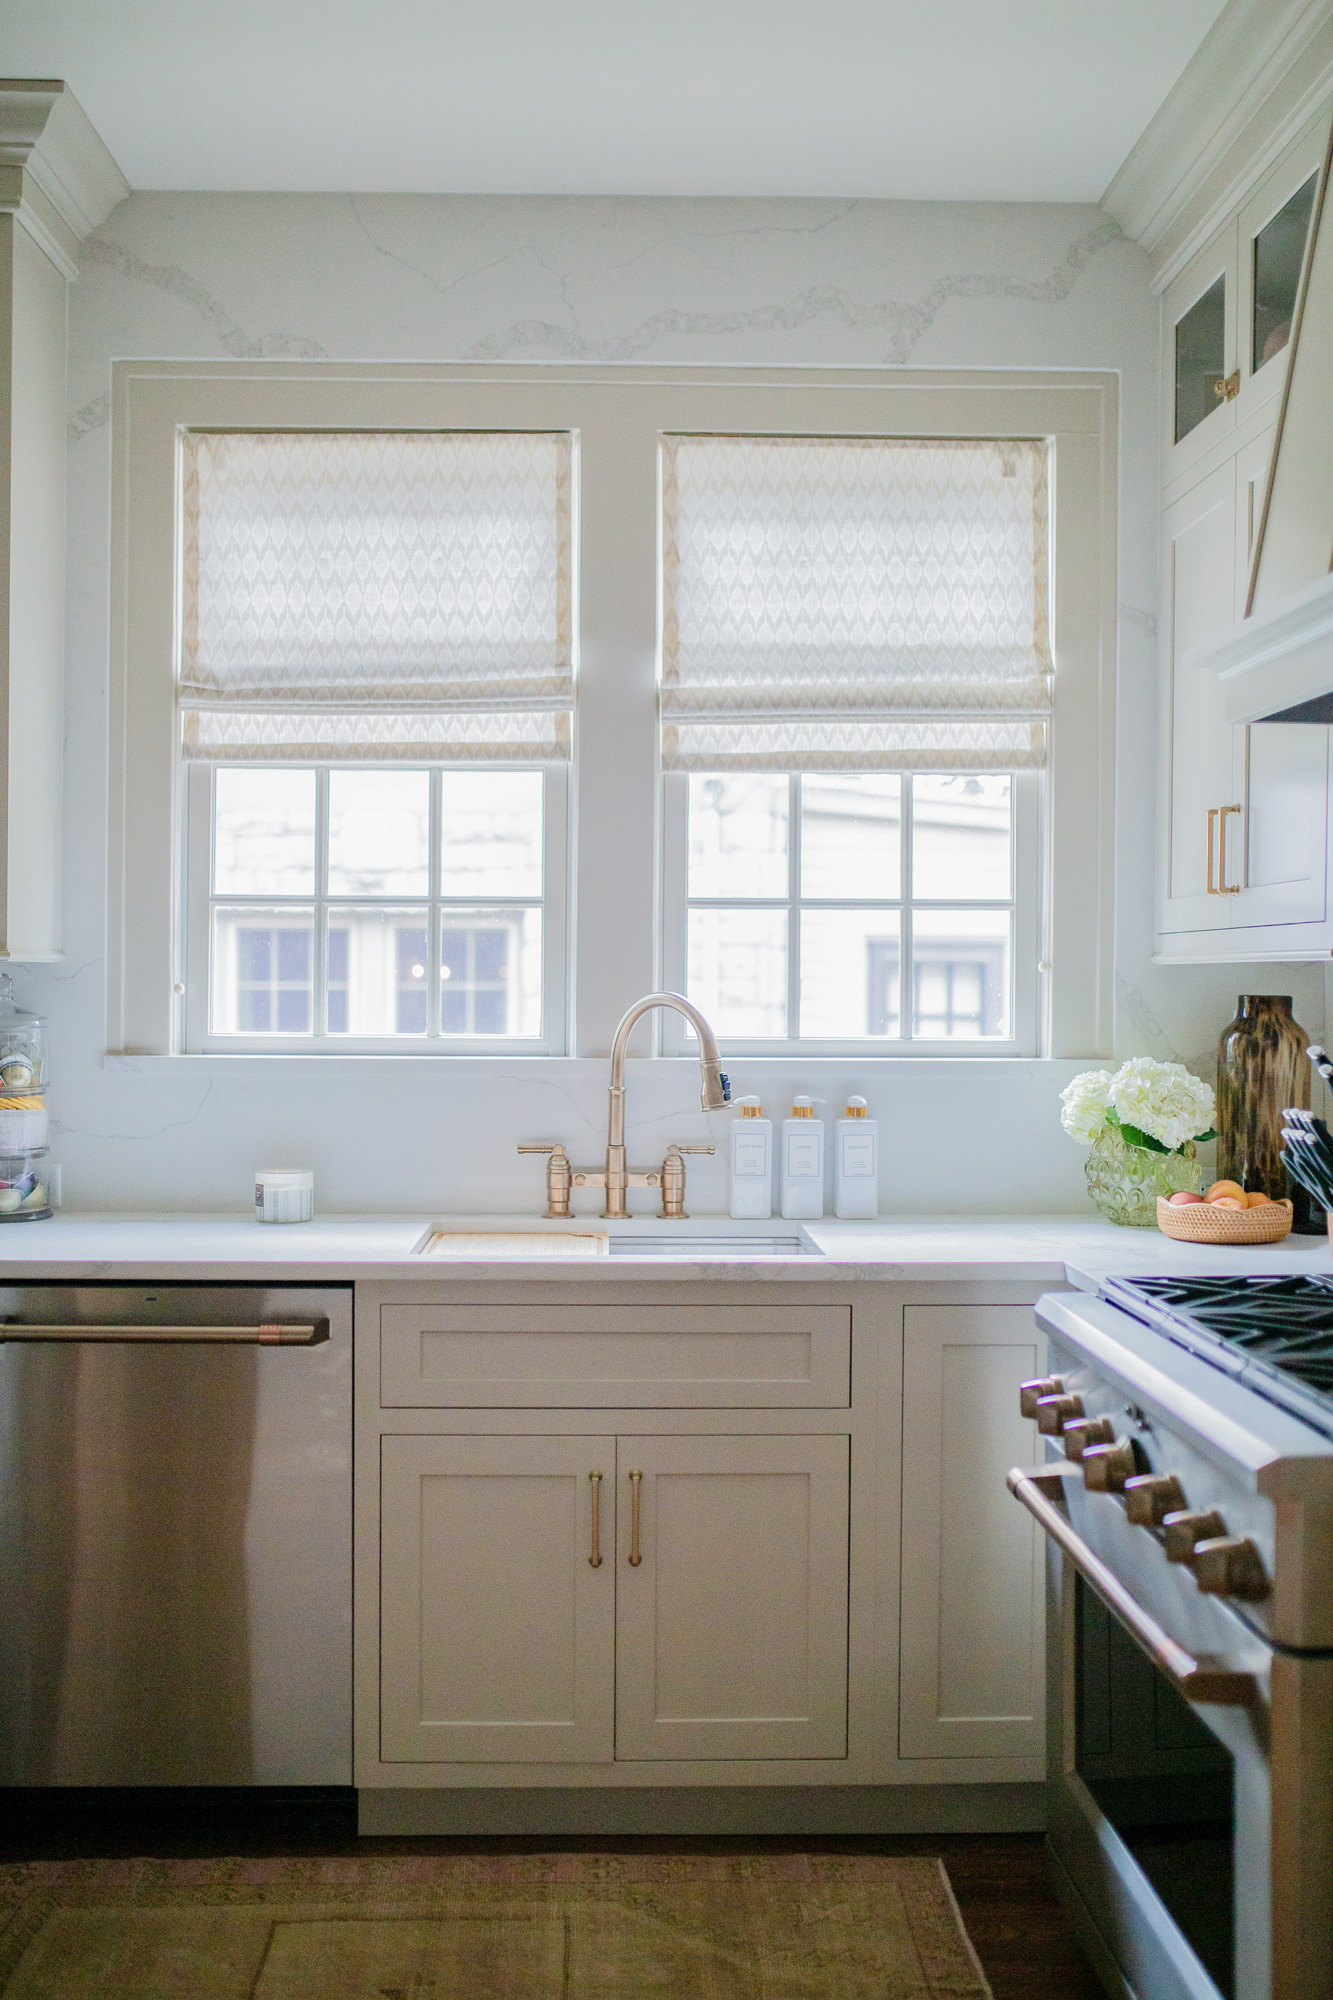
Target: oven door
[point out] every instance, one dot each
(1158, 1815)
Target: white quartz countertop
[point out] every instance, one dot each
(1032, 1249)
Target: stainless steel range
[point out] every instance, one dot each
(1187, 1498)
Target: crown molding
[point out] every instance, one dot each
(56, 176)
(1262, 71)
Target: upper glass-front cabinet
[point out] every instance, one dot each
(1201, 357)
(1276, 255)
(1227, 317)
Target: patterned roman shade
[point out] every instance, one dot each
(374, 595)
(854, 604)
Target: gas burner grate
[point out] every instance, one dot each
(1284, 1324)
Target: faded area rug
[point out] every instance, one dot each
(520, 1927)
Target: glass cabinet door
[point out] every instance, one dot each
(1277, 252)
(1201, 374)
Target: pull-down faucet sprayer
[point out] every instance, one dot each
(715, 1093)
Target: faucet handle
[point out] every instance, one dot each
(673, 1181)
(559, 1178)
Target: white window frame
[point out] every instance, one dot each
(1027, 899)
(194, 925)
(616, 913)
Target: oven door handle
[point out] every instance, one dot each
(1208, 1678)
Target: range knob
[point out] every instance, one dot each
(1230, 1566)
(1181, 1530)
(1028, 1392)
(1151, 1496)
(1054, 1412)
(1084, 1431)
(1106, 1467)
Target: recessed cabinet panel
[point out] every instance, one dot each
(1198, 568)
(615, 1357)
(971, 1641)
(1285, 825)
(497, 1629)
(733, 1622)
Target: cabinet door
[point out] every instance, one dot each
(971, 1636)
(1198, 575)
(1200, 355)
(1281, 857)
(497, 1630)
(1274, 227)
(732, 1626)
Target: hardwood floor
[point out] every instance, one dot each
(1012, 1916)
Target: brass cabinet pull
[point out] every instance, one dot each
(635, 1489)
(595, 1545)
(1212, 822)
(1216, 815)
(1223, 887)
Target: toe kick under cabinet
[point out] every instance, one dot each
(686, 1534)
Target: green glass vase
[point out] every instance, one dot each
(1125, 1181)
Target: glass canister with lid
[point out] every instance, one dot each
(24, 1121)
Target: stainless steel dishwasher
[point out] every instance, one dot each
(175, 1535)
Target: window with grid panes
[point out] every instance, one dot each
(835, 611)
(377, 627)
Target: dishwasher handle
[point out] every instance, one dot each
(273, 1333)
(1221, 1681)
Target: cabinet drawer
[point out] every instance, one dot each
(615, 1357)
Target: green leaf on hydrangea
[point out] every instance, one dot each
(1202, 1138)
(1133, 1136)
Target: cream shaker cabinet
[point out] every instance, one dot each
(645, 1535)
(971, 1643)
(584, 1599)
(497, 1626)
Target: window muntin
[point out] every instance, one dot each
(342, 904)
(894, 926)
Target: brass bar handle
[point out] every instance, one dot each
(635, 1492)
(271, 1334)
(1224, 888)
(1209, 1678)
(1212, 821)
(595, 1545)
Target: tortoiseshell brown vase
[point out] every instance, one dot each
(1261, 1068)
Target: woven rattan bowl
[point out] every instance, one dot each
(1205, 1222)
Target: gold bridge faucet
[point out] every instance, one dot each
(615, 1178)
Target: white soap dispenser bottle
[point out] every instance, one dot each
(856, 1164)
(751, 1164)
(802, 1162)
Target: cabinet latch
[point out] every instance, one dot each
(1226, 388)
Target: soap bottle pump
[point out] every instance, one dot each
(856, 1164)
(802, 1162)
(751, 1163)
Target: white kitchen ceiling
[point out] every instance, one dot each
(963, 100)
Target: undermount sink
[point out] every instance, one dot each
(446, 1240)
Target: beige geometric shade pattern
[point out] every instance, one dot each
(863, 603)
(412, 575)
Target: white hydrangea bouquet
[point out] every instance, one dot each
(1141, 1125)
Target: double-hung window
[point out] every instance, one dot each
(375, 694)
(457, 706)
(856, 695)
